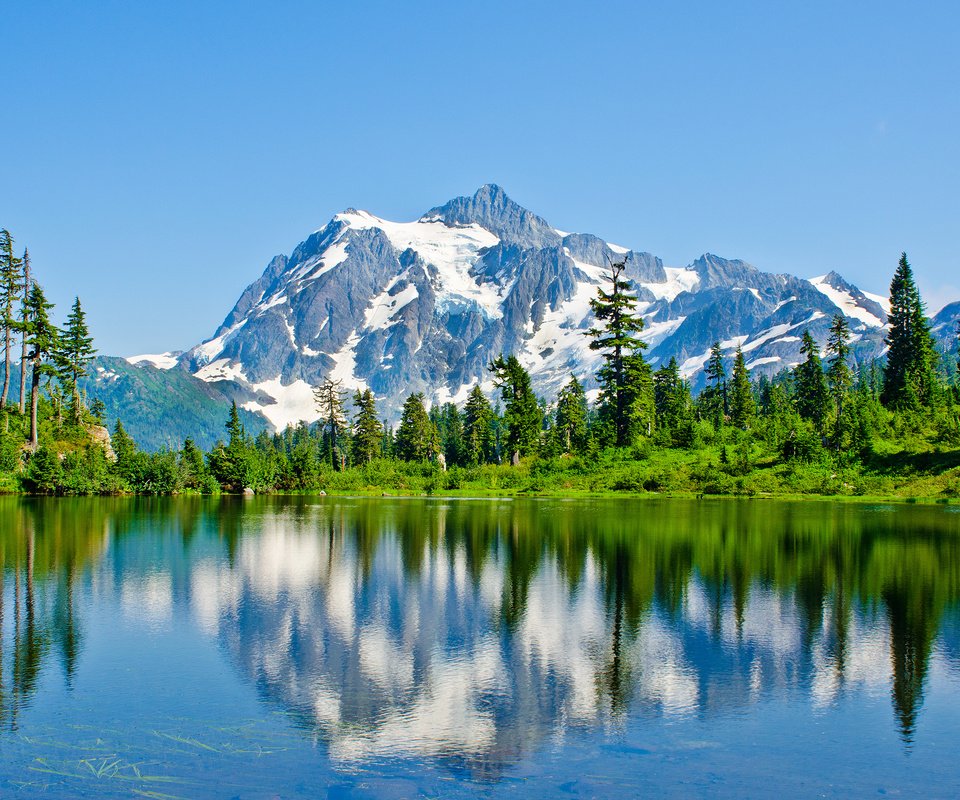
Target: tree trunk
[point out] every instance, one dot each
(34, 402)
(23, 352)
(6, 369)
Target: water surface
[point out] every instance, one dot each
(337, 647)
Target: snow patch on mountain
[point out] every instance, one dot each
(846, 302)
(158, 360)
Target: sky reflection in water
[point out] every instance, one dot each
(290, 647)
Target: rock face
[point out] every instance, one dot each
(425, 306)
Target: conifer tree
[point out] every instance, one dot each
(909, 379)
(11, 285)
(23, 329)
(839, 374)
(714, 400)
(812, 397)
(570, 425)
(522, 414)
(41, 336)
(451, 434)
(626, 385)
(477, 430)
(742, 405)
(74, 352)
(367, 429)
(328, 397)
(417, 438)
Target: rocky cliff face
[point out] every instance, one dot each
(425, 306)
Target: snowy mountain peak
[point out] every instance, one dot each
(426, 305)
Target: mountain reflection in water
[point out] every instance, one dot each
(479, 630)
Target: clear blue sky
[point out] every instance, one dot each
(156, 155)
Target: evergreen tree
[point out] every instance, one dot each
(714, 399)
(812, 397)
(839, 374)
(367, 429)
(672, 402)
(477, 430)
(570, 424)
(41, 336)
(742, 405)
(417, 438)
(23, 329)
(451, 435)
(231, 464)
(74, 352)
(909, 379)
(522, 414)
(11, 285)
(626, 387)
(328, 397)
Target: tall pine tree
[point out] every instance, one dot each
(74, 353)
(812, 398)
(909, 378)
(11, 285)
(742, 405)
(23, 329)
(839, 374)
(477, 430)
(570, 422)
(328, 397)
(367, 428)
(714, 399)
(41, 336)
(417, 438)
(522, 414)
(626, 386)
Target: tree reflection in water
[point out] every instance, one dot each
(477, 630)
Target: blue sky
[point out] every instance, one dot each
(156, 155)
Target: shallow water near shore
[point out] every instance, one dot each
(364, 647)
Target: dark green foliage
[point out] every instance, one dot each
(74, 352)
(522, 414)
(909, 380)
(11, 292)
(367, 428)
(839, 376)
(231, 464)
(812, 397)
(742, 405)
(41, 335)
(329, 400)
(417, 438)
(626, 387)
(478, 434)
(570, 419)
(714, 403)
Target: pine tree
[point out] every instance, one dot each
(812, 398)
(522, 414)
(328, 397)
(570, 424)
(839, 374)
(672, 401)
(41, 336)
(626, 386)
(23, 329)
(477, 430)
(714, 399)
(74, 352)
(11, 285)
(451, 435)
(742, 405)
(367, 429)
(909, 379)
(417, 438)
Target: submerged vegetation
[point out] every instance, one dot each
(826, 427)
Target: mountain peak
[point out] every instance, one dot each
(491, 208)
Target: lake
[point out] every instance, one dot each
(386, 648)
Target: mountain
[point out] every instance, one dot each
(425, 306)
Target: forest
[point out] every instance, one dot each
(828, 426)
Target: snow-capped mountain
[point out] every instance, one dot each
(425, 306)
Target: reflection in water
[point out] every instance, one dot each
(476, 631)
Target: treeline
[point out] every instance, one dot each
(824, 426)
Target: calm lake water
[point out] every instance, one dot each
(361, 648)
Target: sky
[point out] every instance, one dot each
(157, 155)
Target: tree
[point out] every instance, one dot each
(909, 379)
(570, 425)
(41, 336)
(74, 352)
(477, 430)
(839, 374)
(742, 405)
(23, 328)
(11, 285)
(626, 388)
(367, 428)
(417, 438)
(715, 400)
(328, 397)
(522, 414)
(812, 397)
